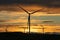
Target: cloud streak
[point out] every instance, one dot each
(21, 17)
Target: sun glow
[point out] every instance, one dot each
(21, 17)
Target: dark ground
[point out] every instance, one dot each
(26, 36)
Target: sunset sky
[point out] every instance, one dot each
(10, 13)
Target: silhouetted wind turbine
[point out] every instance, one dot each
(4, 25)
(6, 29)
(41, 28)
(29, 14)
(24, 28)
(49, 21)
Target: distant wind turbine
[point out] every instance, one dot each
(48, 21)
(24, 28)
(41, 28)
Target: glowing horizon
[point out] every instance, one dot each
(37, 19)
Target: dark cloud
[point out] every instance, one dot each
(3, 20)
(49, 3)
(11, 7)
(7, 1)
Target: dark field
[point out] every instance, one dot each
(26, 36)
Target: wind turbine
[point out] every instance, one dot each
(47, 21)
(24, 28)
(29, 14)
(41, 28)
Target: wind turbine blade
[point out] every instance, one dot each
(23, 9)
(41, 10)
